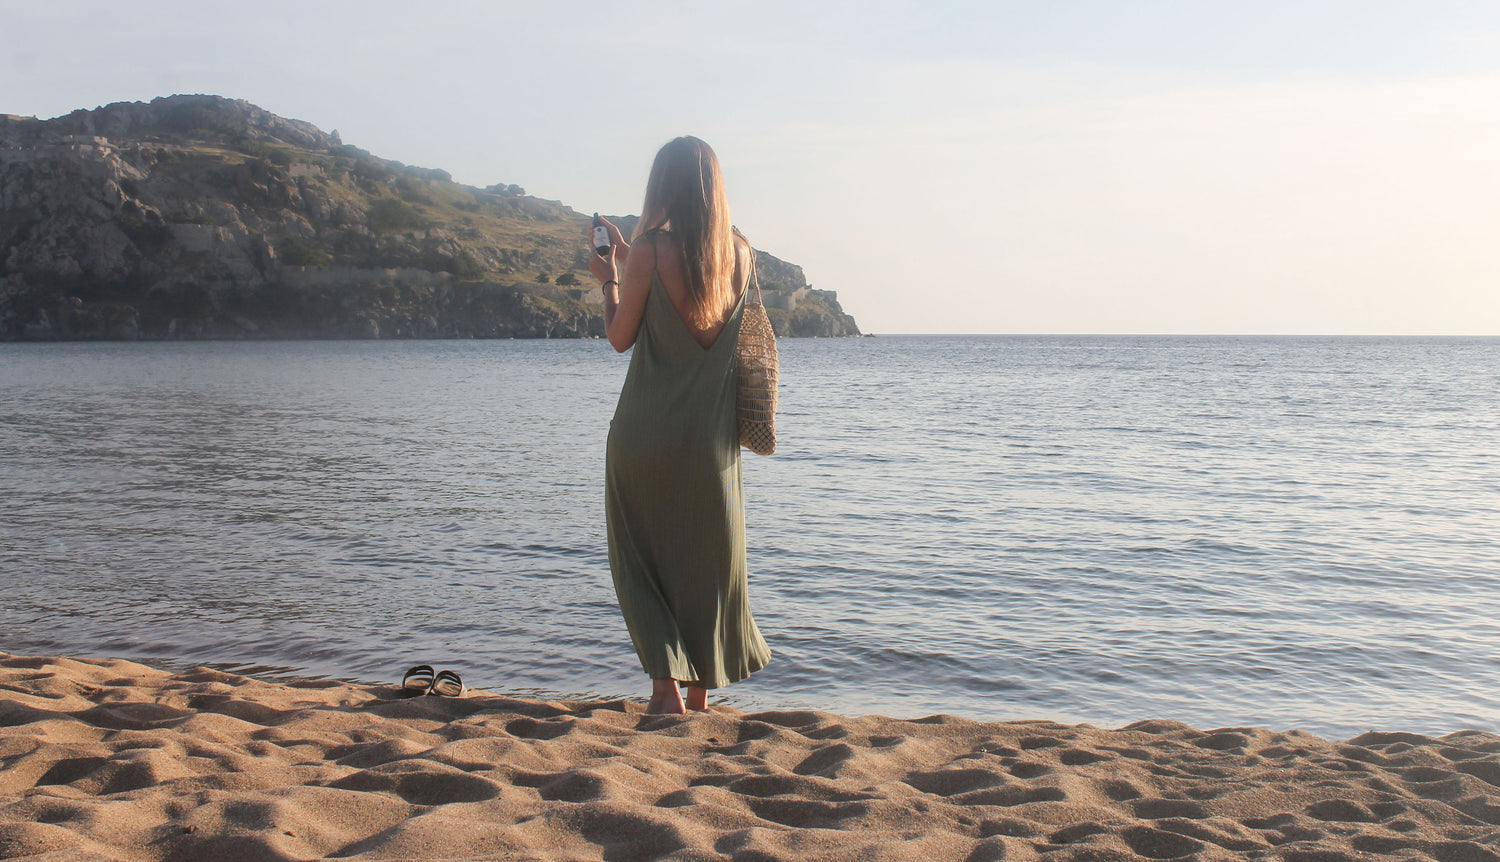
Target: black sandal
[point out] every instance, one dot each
(447, 684)
(418, 681)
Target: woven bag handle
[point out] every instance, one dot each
(754, 277)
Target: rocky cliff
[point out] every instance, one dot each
(204, 217)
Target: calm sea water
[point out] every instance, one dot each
(1275, 531)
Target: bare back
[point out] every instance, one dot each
(671, 267)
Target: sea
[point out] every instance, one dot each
(1294, 533)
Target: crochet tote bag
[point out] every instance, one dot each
(756, 372)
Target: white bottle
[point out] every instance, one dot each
(601, 237)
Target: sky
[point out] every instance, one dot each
(1053, 166)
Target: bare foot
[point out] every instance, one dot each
(665, 698)
(697, 699)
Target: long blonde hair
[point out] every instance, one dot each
(685, 194)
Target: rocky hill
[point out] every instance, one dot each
(205, 217)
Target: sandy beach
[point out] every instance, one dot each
(119, 761)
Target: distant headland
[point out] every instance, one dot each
(195, 217)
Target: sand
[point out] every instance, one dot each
(115, 760)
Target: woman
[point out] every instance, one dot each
(672, 466)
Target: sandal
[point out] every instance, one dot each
(418, 681)
(447, 684)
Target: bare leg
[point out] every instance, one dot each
(665, 698)
(697, 699)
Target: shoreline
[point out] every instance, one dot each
(108, 759)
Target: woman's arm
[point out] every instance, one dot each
(625, 303)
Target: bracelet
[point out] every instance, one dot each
(608, 283)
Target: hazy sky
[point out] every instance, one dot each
(1284, 166)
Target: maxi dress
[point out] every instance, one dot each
(674, 505)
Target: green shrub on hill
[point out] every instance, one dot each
(301, 251)
(389, 214)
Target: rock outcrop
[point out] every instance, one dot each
(205, 217)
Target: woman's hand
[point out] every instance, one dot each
(604, 268)
(620, 248)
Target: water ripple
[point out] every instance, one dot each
(1292, 532)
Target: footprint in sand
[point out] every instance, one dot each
(422, 783)
(1162, 809)
(1158, 844)
(580, 785)
(1340, 811)
(952, 782)
(825, 761)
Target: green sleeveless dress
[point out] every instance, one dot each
(674, 506)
